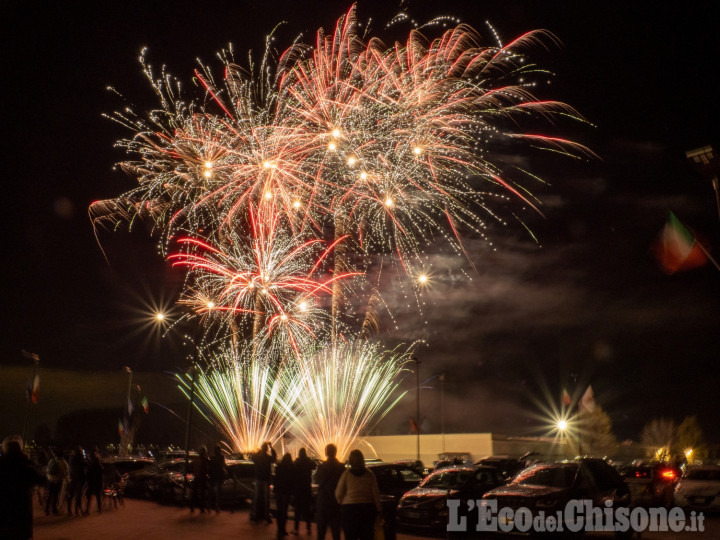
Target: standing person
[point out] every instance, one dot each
(216, 476)
(77, 480)
(263, 460)
(359, 497)
(283, 488)
(304, 466)
(18, 477)
(64, 473)
(199, 466)
(328, 508)
(94, 480)
(55, 479)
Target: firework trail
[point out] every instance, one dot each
(240, 397)
(395, 141)
(267, 276)
(340, 393)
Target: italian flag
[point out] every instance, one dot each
(677, 249)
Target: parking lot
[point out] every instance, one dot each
(140, 520)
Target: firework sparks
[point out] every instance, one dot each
(268, 276)
(240, 396)
(340, 393)
(279, 179)
(396, 140)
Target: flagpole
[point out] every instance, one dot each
(417, 402)
(36, 370)
(707, 254)
(125, 438)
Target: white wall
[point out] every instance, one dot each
(394, 447)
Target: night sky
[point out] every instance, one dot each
(586, 304)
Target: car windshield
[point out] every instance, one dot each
(410, 476)
(451, 479)
(555, 476)
(703, 474)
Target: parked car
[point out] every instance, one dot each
(394, 479)
(119, 472)
(124, 465)
(415, 464)
(650, 485)
(450, 459)
(699, 488)
(161, 480)
(550, 486)
(237, 488)
(143, 482)
(507, 465)
(425, 507)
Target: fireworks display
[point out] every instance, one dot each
(278, 187)
(241, 398)
(338, 393)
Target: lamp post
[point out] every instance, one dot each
(442, 409)
(193, 374)
(417, 402)
(126, 435)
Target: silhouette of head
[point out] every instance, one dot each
(331, 451)
(356, 460)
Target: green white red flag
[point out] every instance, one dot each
(677, 249)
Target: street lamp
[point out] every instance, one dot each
(417, 401)
(192, 372)
(442, 409)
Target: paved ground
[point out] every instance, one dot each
(144, 520)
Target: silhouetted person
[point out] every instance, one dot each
(94, 480)
(77, 480)
(359, 497)
(328, 508)
(263, 460)
(304, 466)
(216, 476)
(55, 479)
(283, 488)
(18, 477)
(199, 467)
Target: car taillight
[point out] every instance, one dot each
(668, 475)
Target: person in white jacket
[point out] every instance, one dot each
(359, 497)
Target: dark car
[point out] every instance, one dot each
(162, 480)
(394, 479)
(550, 486)
(236, 490)
(239, 484)
(415, 464)
(121, 471)
(426, 506)
(651, 485)
(507, 466)
(144, 482)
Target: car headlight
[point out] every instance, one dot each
(546, 503)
